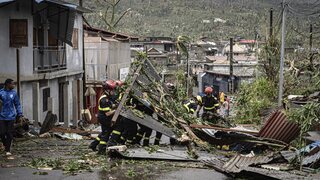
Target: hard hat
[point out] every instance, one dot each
(109, 85)
(208, 90)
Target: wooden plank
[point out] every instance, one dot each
(125, 96)
(222, 129)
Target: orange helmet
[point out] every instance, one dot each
(109, 85)
(119, 83)
(208, 90)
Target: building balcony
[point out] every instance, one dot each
(49, 59)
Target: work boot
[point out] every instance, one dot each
(146, 142)
(173, 141)
(94, 145)
(156, 142)
(102, 149)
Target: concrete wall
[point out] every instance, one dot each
(238, 69)
(8, 54)
(32, 83)
(28, 97)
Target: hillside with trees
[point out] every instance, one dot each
(216, 19)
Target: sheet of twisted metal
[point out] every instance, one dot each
(311, 159)
(239, 162)
(279, 128)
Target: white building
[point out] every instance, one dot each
(41, 48)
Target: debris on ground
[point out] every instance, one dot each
(223, 146)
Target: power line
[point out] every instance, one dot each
(310, 7)
(303, 12)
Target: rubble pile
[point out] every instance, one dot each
(231, 149)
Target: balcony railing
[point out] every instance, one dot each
(48, 59)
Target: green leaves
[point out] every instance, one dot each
(252, 99)
(182, 43)
(307, 116)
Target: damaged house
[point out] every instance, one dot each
(107, 56)
(42, 49)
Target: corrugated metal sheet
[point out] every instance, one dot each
(279, 128)
(311, 159)
(275, 174)
(288, 155)
(239, 163)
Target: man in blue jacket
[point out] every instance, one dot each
(11, 109)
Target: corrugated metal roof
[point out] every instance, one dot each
(239, 162)
(279, 128)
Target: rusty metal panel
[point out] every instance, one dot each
(279, 128)
(239, 162)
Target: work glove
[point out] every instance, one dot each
(198, 114)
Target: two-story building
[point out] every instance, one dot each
(41, 48)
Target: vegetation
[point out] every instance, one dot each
(109, 17)
(269, 59)
(306, 117)
(216, 19)
(252, 99)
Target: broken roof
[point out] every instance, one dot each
(105, 33)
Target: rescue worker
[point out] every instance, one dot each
(145, 132)
(221, 97)
(190, 105)
(209, 103)
(106, 111)
(124, 129)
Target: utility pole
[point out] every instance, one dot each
(18, 72)
(257, 50)
(271, 23)
(310, 44)
(84, 80)
(187, 85)
(282, 54)
(231, 66)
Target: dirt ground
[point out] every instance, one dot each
(53, 158)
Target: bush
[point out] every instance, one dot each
(252, 99)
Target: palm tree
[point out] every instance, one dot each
(182, 46)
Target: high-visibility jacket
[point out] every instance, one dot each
(190, 106)
(209, 103)
(221, 95)
(104, 105)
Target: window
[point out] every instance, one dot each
(18, 32)
(75, 39)
(46, 95)
(52, 41)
